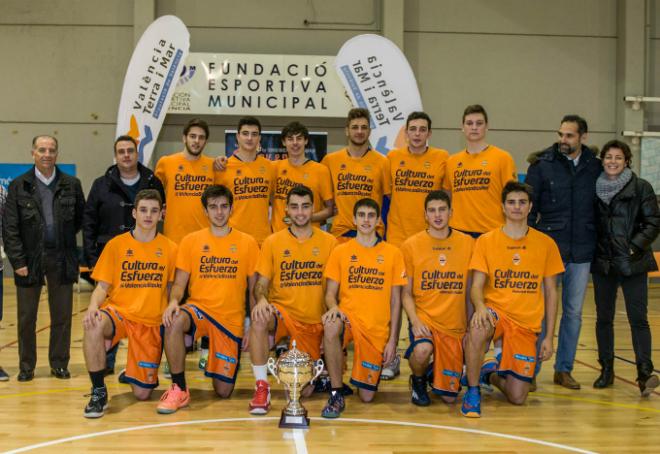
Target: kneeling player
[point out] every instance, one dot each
(364, 280)
(514, 284)
(134, 273)
(434, 298)
(289, 291)
(218, 264)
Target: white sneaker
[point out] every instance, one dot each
(392, 369)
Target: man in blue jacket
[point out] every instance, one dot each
(564, 181)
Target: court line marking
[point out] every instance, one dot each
(368, 421)
(299, 439)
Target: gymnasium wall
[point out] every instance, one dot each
(528, 61)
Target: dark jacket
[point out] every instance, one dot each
(563, 201)
(23, 227)
(109, 209)
(631, 222)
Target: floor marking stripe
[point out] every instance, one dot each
(299, 438)
(298, 432)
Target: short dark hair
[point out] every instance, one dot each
(293, 129)
(474, 109)
(366, 202)
(124, 138)
(35, 138)
(516, 186)
(437, 195)
(418, 116)
(248, 121)
(358, 112)
(627, 153)
(196, 122)
(583, 128)
(148, 194)
(214, 191)
(301, 191)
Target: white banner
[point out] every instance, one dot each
(150, 80)
(377, 76)
(253, 84)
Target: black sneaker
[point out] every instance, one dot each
(334, 407)
(420, 395)
(98, 403)
(4, 376)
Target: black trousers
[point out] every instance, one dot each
(60, 303)
(635, 295)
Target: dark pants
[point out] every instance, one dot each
(60, 303)
(635, 295)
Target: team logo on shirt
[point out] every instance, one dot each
(180, 168)
(402, 164)
(380, 259)
(284, 171)
(233, 248)
(484, 163)
(262, 169)
(516, 259)
(239, 172)
(305, 176)
(129, 252)
(342, 167)
(459, 165)
(442, 259)
(368, 168)
(316, 251)
(286, 253)
(159, 252)
(206, 248)
(427, 165)
(354, 258)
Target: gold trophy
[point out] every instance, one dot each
(294, 369)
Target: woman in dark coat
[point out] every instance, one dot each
(628, 223)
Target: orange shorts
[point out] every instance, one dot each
(447, 360)
(518, 348)
(224, 347)
(367, 357)
(145, 347)
(308, 336)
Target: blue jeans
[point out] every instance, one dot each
(573, 287)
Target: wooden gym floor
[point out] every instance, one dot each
(45, 415)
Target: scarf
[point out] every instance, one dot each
(606, 189)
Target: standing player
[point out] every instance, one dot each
(515, 269)
(415, 171)
(363, 296)
(133, 276)
(357, 172)
(298, 170)
(218, 264)
(475, 177)
(185, 175)
(290, 291)
(251, 179)
(435, 299)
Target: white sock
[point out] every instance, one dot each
(260, 372)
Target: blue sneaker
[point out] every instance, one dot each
(471, 407)
(488, 367)
(334, 407)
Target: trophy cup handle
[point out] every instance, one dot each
(272, 367)
(318, 369)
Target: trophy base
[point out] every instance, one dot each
(294, 422)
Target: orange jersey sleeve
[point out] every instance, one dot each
(251, 183)
(413, 177)
(515, 270)
(138, 274)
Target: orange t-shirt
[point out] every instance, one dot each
(295, 270)
(138, 274)
(439, 270)
(219, 268)
(251, 183)
(476, 182)
(311, 174)
(184, 182)
(413, 177)
(366, 277)
(515, 270)
(354, 179)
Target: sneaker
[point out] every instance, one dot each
(98, 403)
(173, 399)
(203, 358)
(648, 384)
(121, 378)
(260, 403)
(322, 384)
(420, 395)
(471, 407)
(488, 367)
(4, 376)
(334, 407)
(392, 369)
(166, 371)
